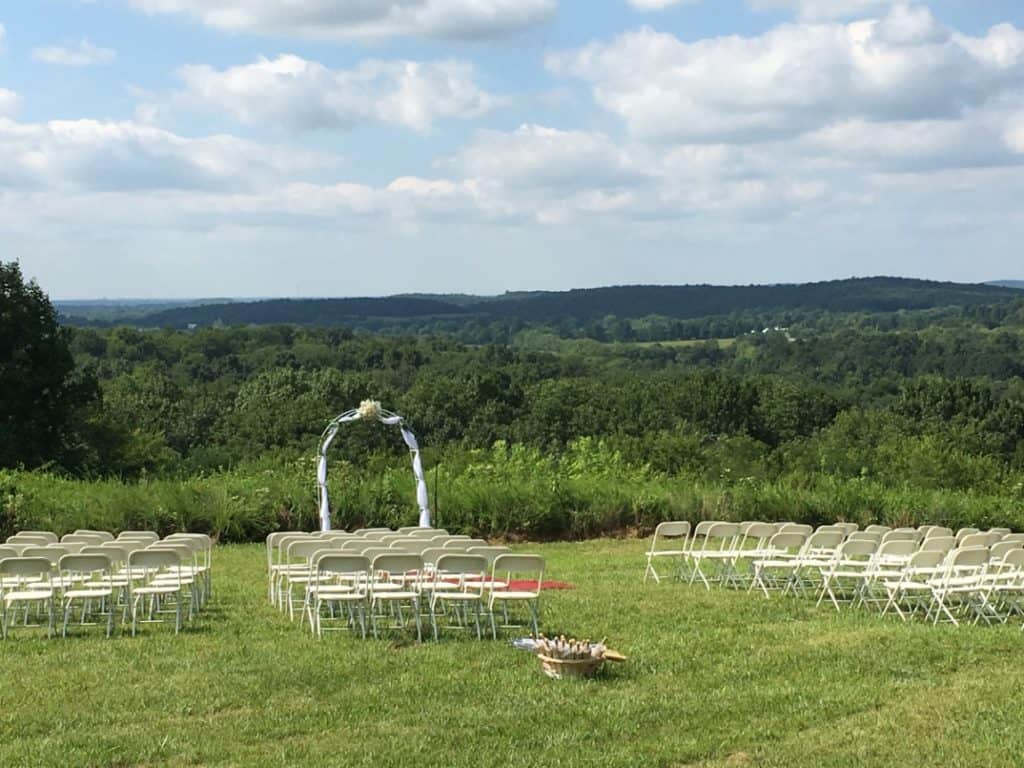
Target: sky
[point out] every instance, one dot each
(233, 148)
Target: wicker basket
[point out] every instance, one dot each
(559, 668)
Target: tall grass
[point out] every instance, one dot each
(510, 491)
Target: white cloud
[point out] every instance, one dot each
(9, 102)
(538, 156)
(95, 155)
(345, 19)
(797, 77)
(291, 91)
(80, 54)
(659, 5)
(816, 10)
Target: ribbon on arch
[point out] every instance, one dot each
(369, 409)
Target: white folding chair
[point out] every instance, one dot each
(504, 591)
(469, 573)
(24, 581)
(960, 586)
(394, 582)
(669, 541)
(92, 585)
(343, 582)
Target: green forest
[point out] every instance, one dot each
(542, 415)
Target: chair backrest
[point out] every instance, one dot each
(459, 545)
(973, 540)
(702, 527)
(806, 530)
(936, 531)
(672, 530)
(938, 544)
(373, 551)
(304, 550)
(963, 533)
(823, 541)
(722, 531)
(84, 538)
(352, 545)
(787, 541)
(151, 536)
(1014, 537)
(994, 537)
(848, 528)
(373, 530)
(96, 563)
(52, 537)
(105, 535)
(29, 539)
(334, 535)
(874, 536)
(406, 530)
(858, 548)
(343, 565)
(831, 527)
(488, 553)
(897, 549)
(25, 566)
(460, 564)
(900, 534)
(398, 563)
(1012, 558)
(925, 558)
(428, 533)
(1000, 549)
(759, 531)
(880, 529)
(124, 546)
(968, 557)
(1004, 531)
(432, 554)
(154, 559)
(522, 565)
(924, 530)
(52, 553)
(6, 551)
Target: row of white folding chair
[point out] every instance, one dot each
(293, 568)
(733, 544)
(373, 581)
(896, 573)
(105, 574)
(277, 543)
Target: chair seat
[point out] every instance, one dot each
(339, 593)
(514, 595)
(667, 553)
(28, 594)
(88, 593)
(157, 589)
(400, 595)
(464, 596)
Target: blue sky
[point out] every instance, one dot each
(157, 148)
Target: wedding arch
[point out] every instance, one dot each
(368, 409)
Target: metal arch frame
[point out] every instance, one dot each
(389, 418)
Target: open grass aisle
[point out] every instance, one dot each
(714, 679)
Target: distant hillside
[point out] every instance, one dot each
(1018, 284)
(300, 312)
(876, 294)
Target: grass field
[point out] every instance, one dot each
(713, 679)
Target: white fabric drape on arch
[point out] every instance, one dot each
(385, 417)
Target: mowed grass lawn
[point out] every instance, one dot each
(714, 679)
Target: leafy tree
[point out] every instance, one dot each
(39, 389)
